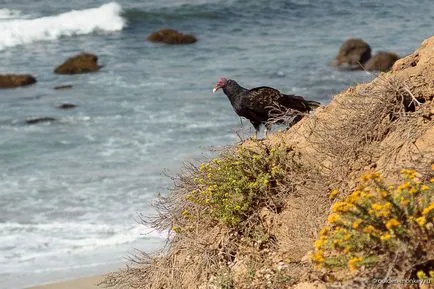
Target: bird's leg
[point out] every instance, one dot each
(267, 129)
(257, 127)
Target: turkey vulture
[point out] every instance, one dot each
(256, 104)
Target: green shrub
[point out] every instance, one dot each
(235, 185)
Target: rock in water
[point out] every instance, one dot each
(382, 61)
(352, 54)
(39, 120)
(83, 63)
(16, 80)
(67, 106)
(171, 36)
(63, 86)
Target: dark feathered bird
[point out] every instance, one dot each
(255, 104)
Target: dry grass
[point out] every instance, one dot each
(365, 117)
(278, 114)
(216, 213)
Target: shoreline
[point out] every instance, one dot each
(82, 283)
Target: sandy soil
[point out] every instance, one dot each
(82, 283)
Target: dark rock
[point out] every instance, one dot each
(82, 63)
(66, 106)
(16, 80)
(171, 36)
(63, 86)
(39, 120)
(352, 54)
(382, 61)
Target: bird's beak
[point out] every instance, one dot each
(215, 89)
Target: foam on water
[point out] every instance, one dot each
(106, 18)
(32, 252)
(9, 14)
(57, 239)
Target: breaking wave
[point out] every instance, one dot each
(13, 32)
(63, 238)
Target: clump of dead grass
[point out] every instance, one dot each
(279, 114)
(365, 116)
(214, 213)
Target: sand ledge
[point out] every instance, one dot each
(82, 283)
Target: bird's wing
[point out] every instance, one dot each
(294, 102)
(260, 97)
(293, 96)
(263, 98)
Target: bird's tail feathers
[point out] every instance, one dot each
(298, 103)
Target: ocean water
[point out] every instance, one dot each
(70, 191)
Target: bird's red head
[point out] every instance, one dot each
(220, 84)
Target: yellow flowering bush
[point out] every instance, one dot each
(375, 219)
(230, 187)
(428, 277)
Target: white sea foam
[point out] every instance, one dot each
(32, 254)
(56, 239)
(9, 14)
(105, 18)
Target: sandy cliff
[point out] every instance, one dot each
(385, 125)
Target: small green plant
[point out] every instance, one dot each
(282, 278)
(235, 185)
(251, 271)
(225, 281)
(376, 220)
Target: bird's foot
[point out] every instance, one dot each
(255, 138)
